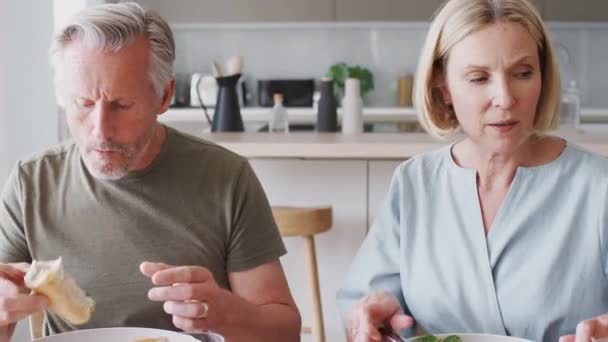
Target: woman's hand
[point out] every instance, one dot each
(589, 330)
(373, 311)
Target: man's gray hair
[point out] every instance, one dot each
(115, 26)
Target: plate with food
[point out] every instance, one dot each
(466, 338)
(129, 335)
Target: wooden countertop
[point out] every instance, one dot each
(313, 145)
(370, 114)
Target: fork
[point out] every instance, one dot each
(388, 335)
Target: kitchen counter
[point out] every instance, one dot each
(309, 115)
(313, 145)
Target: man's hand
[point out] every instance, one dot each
(15, 301)
(589, 330)
(190, 294)
(373, 311)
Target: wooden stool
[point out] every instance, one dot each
(36, 325)
(306, 222)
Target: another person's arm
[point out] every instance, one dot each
(371, 295)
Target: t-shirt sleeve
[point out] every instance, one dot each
(376, 266)
(254, 236)
(13, 244)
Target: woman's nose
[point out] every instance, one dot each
(503, 95)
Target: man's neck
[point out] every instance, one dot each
(152, 150)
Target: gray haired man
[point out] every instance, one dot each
(162, 229)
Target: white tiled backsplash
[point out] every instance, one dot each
(306, 50)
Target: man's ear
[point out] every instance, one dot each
(167, 96)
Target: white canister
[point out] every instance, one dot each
(204, 86)
(352, 107)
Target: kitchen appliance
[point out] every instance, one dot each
(296, 92)
(181, 96)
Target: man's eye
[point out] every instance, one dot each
(121, 106)
(85, 103)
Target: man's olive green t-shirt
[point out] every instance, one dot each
(196, 204)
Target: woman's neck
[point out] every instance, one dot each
(495, 170)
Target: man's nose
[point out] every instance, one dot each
(103, 125)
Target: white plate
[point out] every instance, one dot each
(118, 335)
(480, 338)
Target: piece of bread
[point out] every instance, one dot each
(67, 299)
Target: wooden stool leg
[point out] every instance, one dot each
(318, 330)
(36, 325)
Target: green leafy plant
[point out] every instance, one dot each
(431, 338)
(339, 72)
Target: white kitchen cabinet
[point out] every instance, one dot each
(206, 11)
(379, 180)
(341, 184)
(581, 10)
(385, 10)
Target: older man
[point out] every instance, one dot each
(131, 195)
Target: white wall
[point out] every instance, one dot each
(4, 163)
(28, 114)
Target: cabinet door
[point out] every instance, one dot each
(341, 184)
(385, 10)
(380, 175)
(581, 10)
(242, 10)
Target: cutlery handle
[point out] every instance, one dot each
(388, 335)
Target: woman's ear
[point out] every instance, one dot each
(442, 83)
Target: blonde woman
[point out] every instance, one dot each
(504, 231)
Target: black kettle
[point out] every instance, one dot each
(227, 117)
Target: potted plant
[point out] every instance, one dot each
(339, 72)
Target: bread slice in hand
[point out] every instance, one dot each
(67, 299)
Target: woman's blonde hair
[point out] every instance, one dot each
(455, 20)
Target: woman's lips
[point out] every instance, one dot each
(504, 126)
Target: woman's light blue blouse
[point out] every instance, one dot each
(540, 270)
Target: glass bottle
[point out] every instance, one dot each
(570, 116)
(279, 122)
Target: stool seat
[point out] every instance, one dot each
(302, 221)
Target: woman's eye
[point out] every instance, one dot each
(480, 79)
(525, 74)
